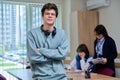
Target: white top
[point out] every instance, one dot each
(84, 65)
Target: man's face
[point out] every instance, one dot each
(49, 16)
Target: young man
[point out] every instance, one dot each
(47, 46)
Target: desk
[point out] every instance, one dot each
(94, 76)
(23, 74)
(26, 74)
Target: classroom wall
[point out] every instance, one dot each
(68, 7)
(110, 17)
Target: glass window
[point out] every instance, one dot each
(16, 18)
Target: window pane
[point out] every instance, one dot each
(12, 36)
(36, 15)
(15, 20)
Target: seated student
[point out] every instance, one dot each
(81, 59)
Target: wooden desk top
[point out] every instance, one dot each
(94, 76)
(26, 74)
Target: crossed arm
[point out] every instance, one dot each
(40, 55)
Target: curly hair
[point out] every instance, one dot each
(49, 6)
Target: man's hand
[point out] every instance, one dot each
(38, 49)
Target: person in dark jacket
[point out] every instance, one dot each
(105, 49)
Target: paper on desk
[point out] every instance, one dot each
(97, 60)
(73, 71)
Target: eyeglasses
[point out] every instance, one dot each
(52, 14)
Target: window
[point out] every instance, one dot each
(16, 18)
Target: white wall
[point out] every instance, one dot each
(66, 16)
(110, 17)
(68, 7)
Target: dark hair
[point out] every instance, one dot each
(49, 6)
(83, 48)
(100, 29)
